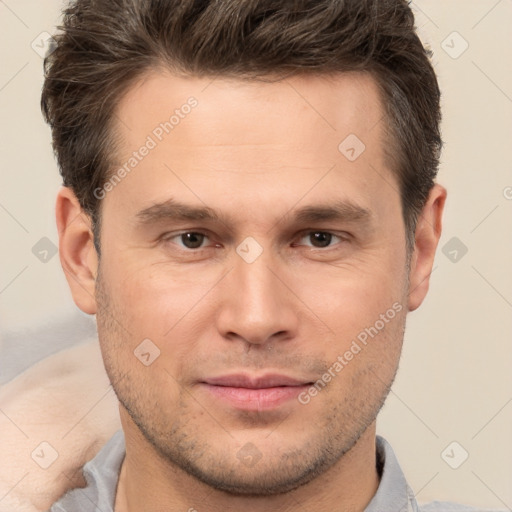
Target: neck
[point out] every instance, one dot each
(149, 483)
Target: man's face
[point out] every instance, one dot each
(273, 285)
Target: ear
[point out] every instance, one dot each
(428, 232)
(78, 255)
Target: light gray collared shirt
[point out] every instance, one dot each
(102, 474)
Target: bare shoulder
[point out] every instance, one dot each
(53, 417)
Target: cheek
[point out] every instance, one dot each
(158, 301)
(349, 299)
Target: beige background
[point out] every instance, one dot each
(455, 379)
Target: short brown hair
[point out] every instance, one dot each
(104, 46)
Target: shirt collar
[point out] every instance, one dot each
(393, 492)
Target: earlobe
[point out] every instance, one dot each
(78, 255)
(428, 232)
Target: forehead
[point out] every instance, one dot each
(235, 112)
(252, 137)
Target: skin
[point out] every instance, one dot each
(255, 153)
(65, 400)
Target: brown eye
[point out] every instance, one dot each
(192, 240)
(320, 239)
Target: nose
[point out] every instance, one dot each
(257, 305)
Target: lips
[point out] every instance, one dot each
(253, 382)
(254, 393)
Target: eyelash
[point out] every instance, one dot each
(303, 234)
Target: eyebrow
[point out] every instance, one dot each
(340, 210)
(173, 210)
